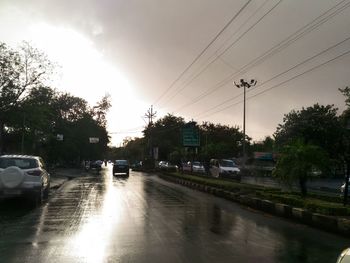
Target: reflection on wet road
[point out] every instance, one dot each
(145, 219)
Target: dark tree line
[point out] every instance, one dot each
(34, 117)
(216, 141)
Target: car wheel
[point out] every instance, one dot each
(37, 198)
(127, 174)
(46, 191)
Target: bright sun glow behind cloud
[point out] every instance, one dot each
(85, 72)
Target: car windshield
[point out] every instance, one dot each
(121, 162)
(227, 163)
(197, 164)
(23, 163)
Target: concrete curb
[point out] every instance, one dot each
(332, 224)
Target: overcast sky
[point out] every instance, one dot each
(139, 51)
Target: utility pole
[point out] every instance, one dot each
(347, 163)
(245, 85)
(150, 115)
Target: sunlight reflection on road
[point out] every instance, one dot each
(92, 240)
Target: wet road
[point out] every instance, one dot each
(145, 219)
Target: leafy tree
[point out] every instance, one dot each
(133, 149)
(100, 110)
(297, 162)
(318, 125)
(221, 141)
(165, 134)
(43, 114)
(20, 71)
(267, 145)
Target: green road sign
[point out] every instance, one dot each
(190, 136)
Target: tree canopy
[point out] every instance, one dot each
(318, 125)
(298, 161)
(20, 71)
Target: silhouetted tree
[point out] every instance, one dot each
(20, 71)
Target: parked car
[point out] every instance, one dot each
(96, 165)
(121, 167)
(137, 166)
(198, 167)
(24, 175)
(344, 257)
(186, 166)
(224, 168)
(167, 166)
(162, 164)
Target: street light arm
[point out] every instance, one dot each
(237, 85)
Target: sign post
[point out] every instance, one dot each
(190, 135)
(191, 139)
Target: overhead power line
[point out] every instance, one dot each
(281, 73)
(202, 52)
(229, 47)
(214, 55)
(282, 83)
(314, 24)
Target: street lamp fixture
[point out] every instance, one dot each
(245, 85)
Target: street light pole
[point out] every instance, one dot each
(245, 85)
(347, 164)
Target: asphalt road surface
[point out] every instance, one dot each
(100, 218)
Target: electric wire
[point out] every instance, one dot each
(281, 83)
(202, 52)
(280, 74)
(190, 78)
(229, 47)
(280, 46)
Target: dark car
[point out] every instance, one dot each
(121, 167)
(96, 165)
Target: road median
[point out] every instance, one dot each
(256, 197)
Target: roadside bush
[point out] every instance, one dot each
(327, 198)
(326, 208)
(283, 198)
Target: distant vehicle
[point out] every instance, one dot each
(136, 166)
(195, 167)
(165, 165)
(198, 167)
(224, 168)
(96, 165)
(24, 175)
(121, 167)
(162, 164)
(186, 166)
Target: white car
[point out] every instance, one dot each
(24, 175)
(165, 165)
(198, 167)
(224, 168)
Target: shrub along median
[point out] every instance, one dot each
(322, 211)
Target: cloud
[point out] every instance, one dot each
(152, 42)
